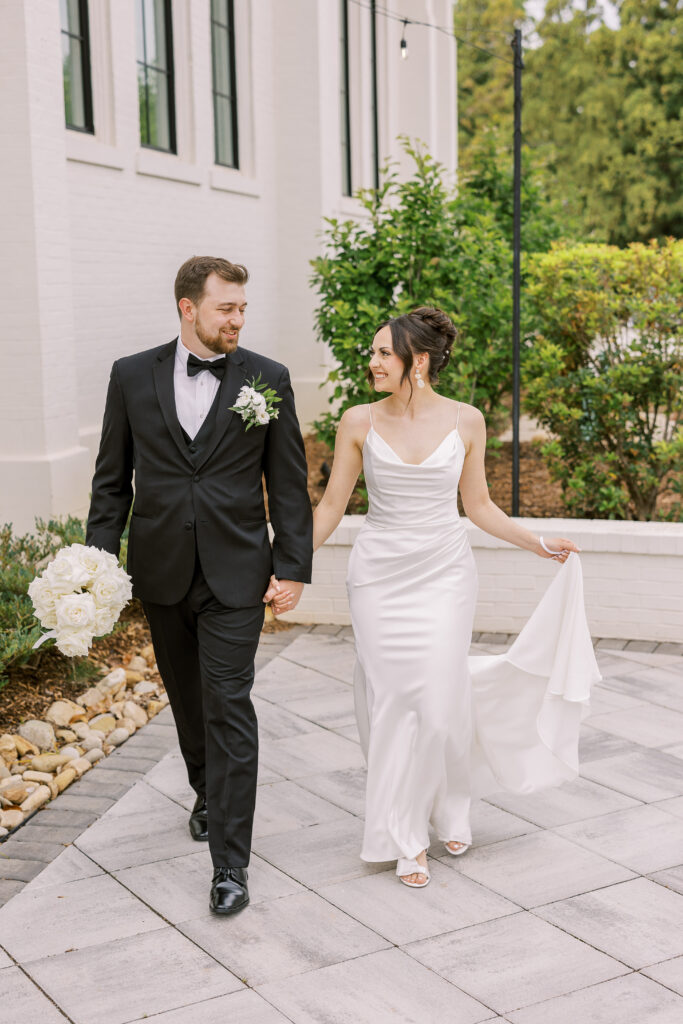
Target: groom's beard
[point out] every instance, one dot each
(215, 342)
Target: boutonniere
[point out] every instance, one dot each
(256, 403)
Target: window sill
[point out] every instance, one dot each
(226, 179)
(156, 164)
(83, 148)
(347, 206)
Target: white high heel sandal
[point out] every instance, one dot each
(464, 847)
(404, 866)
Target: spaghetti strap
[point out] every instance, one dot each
(370, 413)
(457, 418)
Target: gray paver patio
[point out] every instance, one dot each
(569, 906)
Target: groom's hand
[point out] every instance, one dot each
(283, 595)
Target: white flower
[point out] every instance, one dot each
(93, 560)
(105, 620)
(259, 402)
(111, 590)
(75, 643)
(66, 572)
(75, 612)
(262, 417)
(44, 599)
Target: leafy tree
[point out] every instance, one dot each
(604, 373)
(604, 107)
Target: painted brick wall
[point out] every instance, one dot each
(633, 577)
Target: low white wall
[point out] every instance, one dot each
(633, 576)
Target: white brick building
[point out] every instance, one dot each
(95, 223)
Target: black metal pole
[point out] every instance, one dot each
(375, 113)
(516, 254)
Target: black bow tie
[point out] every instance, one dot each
(216, 367)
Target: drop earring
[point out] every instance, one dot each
(418, 378)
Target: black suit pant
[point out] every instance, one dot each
(205, 653)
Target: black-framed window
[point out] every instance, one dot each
(76, 65)
(345, 100)
(224, 82)
(155, 75)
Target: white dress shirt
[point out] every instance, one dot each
(193, 395)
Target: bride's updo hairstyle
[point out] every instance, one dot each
(426, 329)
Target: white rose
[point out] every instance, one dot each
(262, 417)
(105, 620)
(111, 590)
(66, 572)
(75, 643)
(75, 612)
(44, 601)
(259, 402)
(94, 561)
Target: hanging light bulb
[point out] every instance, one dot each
(404, 44)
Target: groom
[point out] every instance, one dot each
(198, 551)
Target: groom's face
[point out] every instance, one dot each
(219, 317)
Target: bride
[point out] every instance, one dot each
(436, 726)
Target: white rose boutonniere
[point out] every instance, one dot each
(256, 403)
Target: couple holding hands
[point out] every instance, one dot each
(198, 424)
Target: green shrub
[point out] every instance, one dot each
(21, 559)
(604, 373)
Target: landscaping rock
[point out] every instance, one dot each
(24, 746)
(40, 734)
(63, 712)
(31, 776)
(94, 755)
(71, 752)
(49, 762)
(117, 737)
(129, 725)
(68, 735)
(113, 682)
(148, 654)
(16, 792)
(3, 832)
(133, 677)
(145, 687)
(65, 778)
(10, 819)
(102, 723)
(92, 741)
(154, 707)
(81, 765)
(4, 770)
(81, 729)
(92, 698)
(8, 749)
(40, 796)
(138, 663)
(134, 711)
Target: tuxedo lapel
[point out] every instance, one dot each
(233, 380)
(163, 383)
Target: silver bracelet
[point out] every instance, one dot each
(546, 548)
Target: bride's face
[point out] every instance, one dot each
(386, 367)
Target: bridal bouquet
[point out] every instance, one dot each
(256, 403)
(79, 596)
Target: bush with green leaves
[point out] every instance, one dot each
(603, 373)
(422, 243)
(21, 559)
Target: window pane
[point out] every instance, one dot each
(74, 17)
(74, 101)
(155, 32)
(219, 11)
(157, 111)
(221, 62)
(142, 103)
(139, 31)
(225, 143)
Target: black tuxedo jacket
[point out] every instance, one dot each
(213, 503)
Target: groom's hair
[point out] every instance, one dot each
(191, 278)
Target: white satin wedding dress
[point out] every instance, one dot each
(438, 727)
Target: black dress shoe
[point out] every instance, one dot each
(199, 820)
(229, 891)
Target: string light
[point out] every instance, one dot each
(404, 44)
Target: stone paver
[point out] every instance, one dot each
(563, 896)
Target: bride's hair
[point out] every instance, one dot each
(425, 329)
